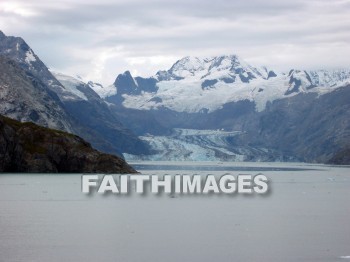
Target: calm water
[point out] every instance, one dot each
(305, 217)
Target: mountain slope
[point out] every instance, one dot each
(92, 112)
(311, 126)
(78, 108)
(25, 98)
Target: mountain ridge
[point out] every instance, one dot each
(101, 127)
(223, 78)
(188, 97)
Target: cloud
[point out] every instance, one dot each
(100, 38)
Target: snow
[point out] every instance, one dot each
(187, 95)
(135, 83)
(29, 56)
(211, 67)
(187, 66)
(104, 91)
(329, 78)
(183, 92)
(70, 83)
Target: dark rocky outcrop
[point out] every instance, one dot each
(271, 74)
(125, 84)
(27, 147)
(209, 83)
(341, 158)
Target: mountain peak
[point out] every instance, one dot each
(187, 65)
(16, 49)
(127, 72)
(299, 81)
(219, 67)
(126, 76)
(125, 84)
(10, 40)
(2, 35)
(196, 62)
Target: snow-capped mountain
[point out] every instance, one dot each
(195, 84)
(227, 93)
(228, 69)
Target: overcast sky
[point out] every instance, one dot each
(99, 39)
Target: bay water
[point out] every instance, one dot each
(305, 216)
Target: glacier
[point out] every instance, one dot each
(200, 145)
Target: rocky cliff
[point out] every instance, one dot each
(27, 147)
(341, 158)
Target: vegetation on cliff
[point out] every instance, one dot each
(27, 147)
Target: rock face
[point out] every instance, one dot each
(30, 92)
(26, 99)
(99, 125)
(312, 127)
(27, 147)
(341, 158)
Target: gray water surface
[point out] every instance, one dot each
(305, 217)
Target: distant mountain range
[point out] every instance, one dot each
(257, 114)
(206, 84)
(215, 108)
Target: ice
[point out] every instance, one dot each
(104, 91)
(191, 144)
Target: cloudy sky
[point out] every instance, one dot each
(98, 39)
